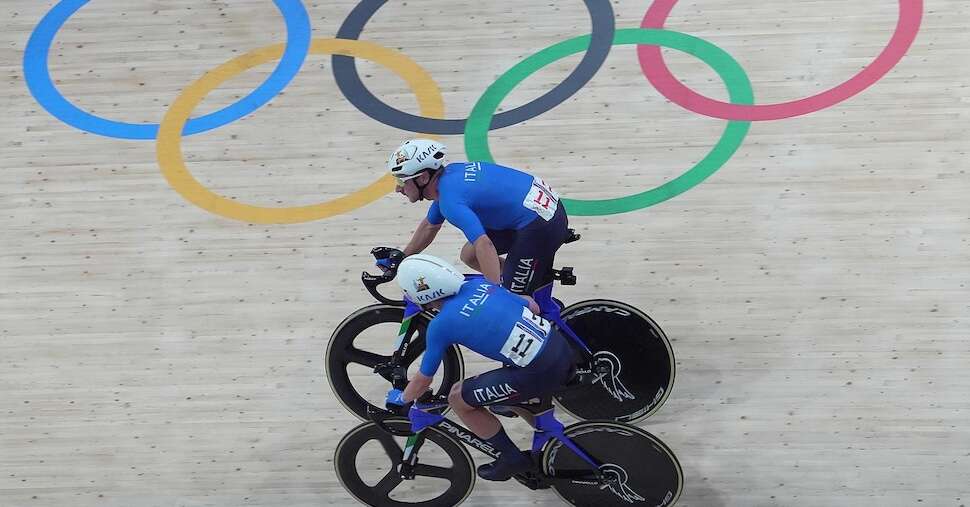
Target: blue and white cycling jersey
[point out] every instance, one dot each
(489, 320)
(475, 196)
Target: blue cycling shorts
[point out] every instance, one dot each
(531, 251)
(509, 385)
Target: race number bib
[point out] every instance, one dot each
(526, 339)
(542, 199)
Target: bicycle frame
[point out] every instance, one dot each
(398, 375)
(547, 428)
(550, 310)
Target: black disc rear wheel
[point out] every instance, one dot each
(367, 338)
(637, 467)
(634, 352)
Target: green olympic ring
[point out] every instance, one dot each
(734, 77)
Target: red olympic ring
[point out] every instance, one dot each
(657, 72)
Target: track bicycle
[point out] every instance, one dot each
(626, 371)
(591, 463)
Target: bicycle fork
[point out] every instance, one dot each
(410, 458)
(393, 371)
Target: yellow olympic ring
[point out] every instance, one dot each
(169, 147)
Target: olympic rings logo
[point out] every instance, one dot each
(345, 48)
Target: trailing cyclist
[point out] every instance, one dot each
(490, 320)
(500, 210)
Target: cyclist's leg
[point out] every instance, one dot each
(528, 265)
(502, 239)
(508, 385)
(494, 385)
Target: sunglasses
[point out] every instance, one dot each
(400, 181)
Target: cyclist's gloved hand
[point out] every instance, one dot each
(390, 262)
(395, 397)
(395, 401)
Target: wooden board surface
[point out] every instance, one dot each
(156, 353)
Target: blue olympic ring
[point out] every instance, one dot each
(37, 76)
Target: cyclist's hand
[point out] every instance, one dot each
(395, 397)
(395, 401)
(391, 262)
(426, 397)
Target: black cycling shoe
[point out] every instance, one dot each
(503, 469)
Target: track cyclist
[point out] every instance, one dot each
(500, 210)
(497, 324)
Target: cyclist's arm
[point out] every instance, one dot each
(488, 259)
(429, 364)
(462, 217)
(422, 237)
(416, 387)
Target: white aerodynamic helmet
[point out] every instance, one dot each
(425, 278)
(414, 157)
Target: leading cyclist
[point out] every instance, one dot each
(499, 209)
(490, 320)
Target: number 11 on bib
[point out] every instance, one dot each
(528, 336)
(542, 199)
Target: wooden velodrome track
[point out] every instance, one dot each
(162, 347)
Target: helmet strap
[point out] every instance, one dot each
(421, 188)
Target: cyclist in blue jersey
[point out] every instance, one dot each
(500, 210)
(497, 324)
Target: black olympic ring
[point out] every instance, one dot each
(350, 84)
